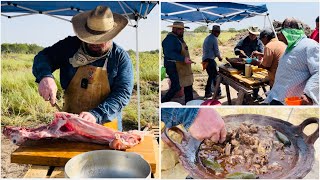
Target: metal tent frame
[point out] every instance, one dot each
(208, 12)
(72, 7)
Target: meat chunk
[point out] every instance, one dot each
(243, 128)
(71, 127)
(248, 139)
(260, 159)
(275, 167)
(237, 151)
(277, 145)
(235, 159)
(227, 149)
(253, 129)
(265, 146)
(235, 142)
(263, 170)
(247, 153)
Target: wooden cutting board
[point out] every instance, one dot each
(58, 152)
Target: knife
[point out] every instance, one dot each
(56, 105)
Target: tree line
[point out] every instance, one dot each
(202, 29)
(34, 49)
(20, 48)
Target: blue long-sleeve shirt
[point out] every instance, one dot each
(210, 47)
(119, 68)
(249, 46)
(172, 47)
(175, 116)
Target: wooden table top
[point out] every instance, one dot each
(57, 153)
(258, 78)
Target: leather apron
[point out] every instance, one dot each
(87, 89)
(184, 70)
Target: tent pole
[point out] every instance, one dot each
(138, 72)
(275, 33)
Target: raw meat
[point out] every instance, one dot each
(71, 127)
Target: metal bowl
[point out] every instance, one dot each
(107, 164)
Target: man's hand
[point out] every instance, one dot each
(208, 125)
(48, 89)
(305, 100)
(256, 54)
(255, 62)
(187, 60)
(242, 53)
(87, 116)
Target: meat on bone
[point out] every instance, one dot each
(71, 127)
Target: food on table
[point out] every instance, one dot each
(249, 151)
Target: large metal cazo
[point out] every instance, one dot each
(188, 148)
(107, 164)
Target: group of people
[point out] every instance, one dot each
(291, 58)
(91, 60)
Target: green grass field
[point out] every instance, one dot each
(22, 105)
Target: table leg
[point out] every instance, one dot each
(240, 97)
(264, 89)
(217, 86)
(228, 94)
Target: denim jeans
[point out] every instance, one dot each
(212, 75)
(175, 84)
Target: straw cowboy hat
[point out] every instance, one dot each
(178, 24)
(98, 26)
(254, 30)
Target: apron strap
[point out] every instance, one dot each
(105, 65)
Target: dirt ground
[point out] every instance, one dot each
(8, 169)
(200, 81)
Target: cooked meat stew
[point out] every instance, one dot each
(250, 151)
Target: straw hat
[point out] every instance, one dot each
(253, 30)
(99, 25)
(178, 24)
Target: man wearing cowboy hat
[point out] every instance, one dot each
(177, 63)
(95, 72)
(251, 43)
(210, 51)
(246, 46)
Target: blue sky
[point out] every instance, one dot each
(304, 11)
(45, 31)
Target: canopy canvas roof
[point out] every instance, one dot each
(210, 12)
(132, 10)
